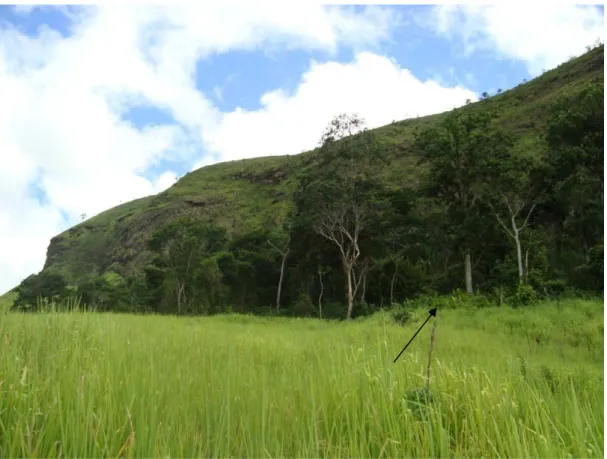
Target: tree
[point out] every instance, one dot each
(335, 197)
(342, 225)
(509, 189)
(348, 149)
(209, 285)
(576, 139)
(284, 252)
(249, 268)
(454, 152)
(321, 271)
(44, 285)
(515, 204)
(394, 236)
(575, 168)
(106, 292)
(181, 247)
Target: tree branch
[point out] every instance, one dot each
(500, 220)
(528, 215)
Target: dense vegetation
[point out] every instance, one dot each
(504, 383)
(493, 206)
(507, 207)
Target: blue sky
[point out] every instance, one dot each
(238, 78)
(102, 105)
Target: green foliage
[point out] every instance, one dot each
(459, 299)
(575, 169)
(185, 251)
(304, 307)
(401, 315)
(593, 269)
(109, 292)
(7, 300)
(556, 286)
(44, 285)
(524, 295)
(428, 192)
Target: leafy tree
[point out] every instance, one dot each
(44, 285)
(575, 165)
(335, 199)
(153, 295)
(181, 247)
(250, 269)
(210, 291)
(455, 152)
(106, 292)
(509, 188)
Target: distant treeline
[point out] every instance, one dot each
(487, 216)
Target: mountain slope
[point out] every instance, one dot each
(248, 194)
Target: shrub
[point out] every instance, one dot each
(524, 296)
(400, 315)
(304, 307)
(45, 285)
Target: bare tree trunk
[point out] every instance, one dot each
(519, 254)
(515, 233)
(349, 291)
(364, 292)
(526, 266)
(180, 290)
(282, 273)
(342, 226)
(392, 283)
(468, 264)
(322, 288)
(284, 252)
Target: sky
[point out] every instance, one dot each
(104, 104)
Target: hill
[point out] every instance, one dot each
(250, 195)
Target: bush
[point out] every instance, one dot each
(45, 285)
(400, 315)
(459, 299)
(524, 296)
(304, 307)
(555, 289)
(362, 309)
(424, 301)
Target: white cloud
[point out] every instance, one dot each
(373, 86)
(21, 225)
(63, 100)
(164, 181)
(540, 35)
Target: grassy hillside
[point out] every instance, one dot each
(504, 383)
(248, 194)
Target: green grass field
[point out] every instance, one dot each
(505, 383)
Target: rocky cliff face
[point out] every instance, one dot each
(228, 194)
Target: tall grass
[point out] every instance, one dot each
(81, 384)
